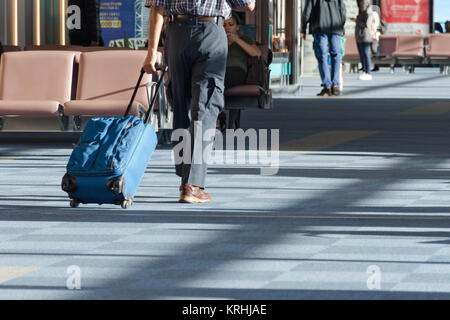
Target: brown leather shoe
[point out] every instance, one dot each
(335, 91)
(325, 92)
(193, 194)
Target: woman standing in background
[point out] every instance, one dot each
(365, 33)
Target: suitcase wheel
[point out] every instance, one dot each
(127, 203)
(74, 203)
(116, 185)
(69, 183)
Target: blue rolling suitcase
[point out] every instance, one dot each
(110, 159)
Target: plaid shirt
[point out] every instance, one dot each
(204, 8)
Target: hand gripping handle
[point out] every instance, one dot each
(141, 75)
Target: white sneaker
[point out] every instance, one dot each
(365, 77)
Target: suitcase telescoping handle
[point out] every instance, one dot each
(161, 79)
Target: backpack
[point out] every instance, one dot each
(258, 71)
(383, 27)
(373, 24)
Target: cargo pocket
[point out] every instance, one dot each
(215, 98)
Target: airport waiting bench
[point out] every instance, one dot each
(405, 50)
(9, 48)
(103, 87)
(438, 51)
(106, 80)
(40, 83)
(351, 55)
(386, 47)
(161, 109)
(409, 51)
(36, 83)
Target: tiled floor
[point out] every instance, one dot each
(349, 216)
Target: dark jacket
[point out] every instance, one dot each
(366, 16)
(90, 23)
(362, 31)
(324, 16)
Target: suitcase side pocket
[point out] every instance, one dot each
(85, 153)
(117, 146)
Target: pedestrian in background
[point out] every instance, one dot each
(438, 28)
(326, 19)
(196, 50)
(366, 32)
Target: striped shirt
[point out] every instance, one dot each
(204, 8)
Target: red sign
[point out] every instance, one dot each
(405, 11)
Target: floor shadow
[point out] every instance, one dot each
(270, 225)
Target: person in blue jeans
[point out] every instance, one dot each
(365, 33)
(329, 45)
(326, 19)
(366, 60)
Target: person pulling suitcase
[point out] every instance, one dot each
(196, 54)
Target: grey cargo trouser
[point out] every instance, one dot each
(196, 54)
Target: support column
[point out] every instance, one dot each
(14, 22)
(37, 22)
(3, 22)
(292, 13)
(62, 21)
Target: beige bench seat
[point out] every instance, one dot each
(107, 108)
(409, 46)
(35, 83)
(29, 107)
(439, 46)
(106, 80)
(244, 90)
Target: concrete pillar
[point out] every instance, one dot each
(3, 22)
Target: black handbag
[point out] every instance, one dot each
(257, 71)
